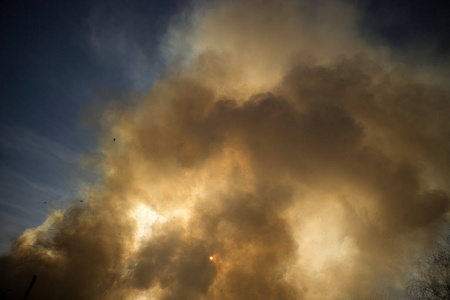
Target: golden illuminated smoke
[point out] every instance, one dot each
(284, 149)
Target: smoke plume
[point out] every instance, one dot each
(278, 157)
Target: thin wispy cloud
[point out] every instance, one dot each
(24, 140)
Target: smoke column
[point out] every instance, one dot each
(278, 157)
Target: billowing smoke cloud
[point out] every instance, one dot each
(282, 159)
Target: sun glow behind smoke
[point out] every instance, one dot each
(145, 218)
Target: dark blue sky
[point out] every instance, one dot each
(56, 57)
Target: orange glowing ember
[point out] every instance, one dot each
(214, 258)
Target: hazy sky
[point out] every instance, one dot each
(302, 145)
